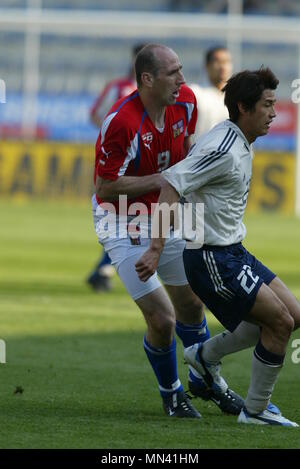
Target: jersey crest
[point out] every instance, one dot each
(178, 128)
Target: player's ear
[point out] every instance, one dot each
(241, 108)
(147, 79)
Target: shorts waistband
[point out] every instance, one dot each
(210, 247)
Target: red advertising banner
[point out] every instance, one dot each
(286, 119)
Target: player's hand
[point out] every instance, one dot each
(147, 264)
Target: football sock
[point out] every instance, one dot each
(105, 259)
(164, 364)
(191, 334)
(265, 369)
(245, 335)
(104, 266)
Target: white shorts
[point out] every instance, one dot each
(124, 256)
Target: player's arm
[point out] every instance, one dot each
(103, 104)
(147, 264)
(132, 186)
(96, 120)
(176, 183)
(187, 143)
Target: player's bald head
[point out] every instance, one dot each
(150, 60)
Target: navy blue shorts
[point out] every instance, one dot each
(226, 279)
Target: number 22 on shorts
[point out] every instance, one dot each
(245, 277)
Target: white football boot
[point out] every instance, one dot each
(265, 418)
(210, 373)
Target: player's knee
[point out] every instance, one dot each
(284, 322)
(295, 313)
(289, 324)
(192, 309)
(163, 324)
(197, 305)
(167, 324)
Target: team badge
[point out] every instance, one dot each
(147, 139)
(178, 128)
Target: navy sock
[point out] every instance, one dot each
(193, 334)
(105, 260)
(164, 364)
(266, 357)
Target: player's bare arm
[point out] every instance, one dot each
(132, 186)
(187, 143)
(147, 264)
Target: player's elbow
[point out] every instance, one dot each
(104, 190)
(104, 194)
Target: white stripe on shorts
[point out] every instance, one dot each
(230, 293)
(220, 289)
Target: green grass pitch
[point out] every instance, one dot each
(76, 374)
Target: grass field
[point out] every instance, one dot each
(76, 375)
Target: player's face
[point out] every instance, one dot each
(219, 70)
(261, 118)
(169, 78)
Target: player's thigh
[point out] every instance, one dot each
(287, 297)
(188, 306)
(171, 268)
(151, 298)
(268, 310)
(126, 270)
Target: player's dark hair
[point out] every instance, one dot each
(246, 88)
(210, 53)
(146, 61)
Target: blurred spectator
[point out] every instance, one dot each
(113, 91)
(210, 99)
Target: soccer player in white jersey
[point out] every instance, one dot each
(210, 99)
(143, 134)
(248, 299)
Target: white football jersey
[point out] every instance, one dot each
(211, 108)
(217, 172)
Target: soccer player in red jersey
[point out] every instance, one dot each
(143, 134)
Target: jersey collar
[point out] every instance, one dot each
(239, 132)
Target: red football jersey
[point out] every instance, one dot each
(113, 91)
(129, 144)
